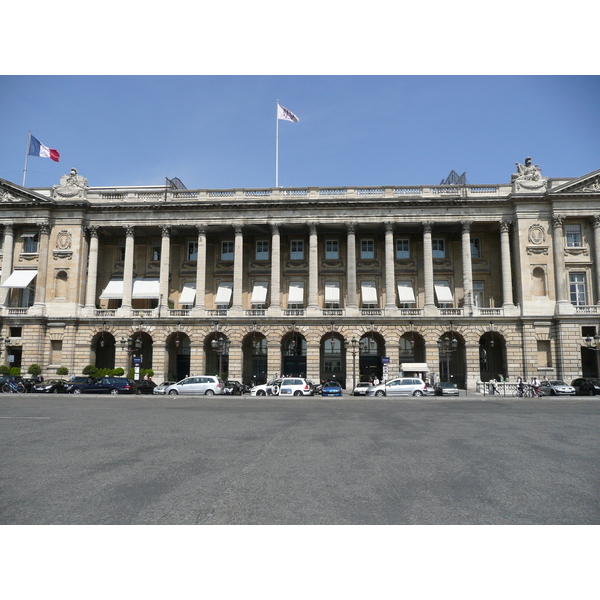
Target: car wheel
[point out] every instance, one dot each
(261, 393)
(173, 393)
(297, 393)
(380, 393)
(418, 393)
(77, 391)
(209, 393)
(591, 392)
(55, 391)
(114, 392)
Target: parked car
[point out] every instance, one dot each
(445, 388)
(361, 388)
(586, 387)
(103, 385)
(294, 386)
(145, 386)
(51, 386)
(235, 388)
(332, 388)
(401, 386)
(161, 387)
(429, 391)
(555, 387)
(266, 389)
(202, 385)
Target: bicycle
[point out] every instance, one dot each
(528, 391)
(10, 387)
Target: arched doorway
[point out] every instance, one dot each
(103, 346)
(492, 356)
(411, 355)
(145, 352)
(178, 351)
(254, 350)
(293, 351)
(217, 354)
(451, 349)
(333, 359)
(372, 349)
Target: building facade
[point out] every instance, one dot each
(453, 282)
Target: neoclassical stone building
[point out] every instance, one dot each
(461, 282)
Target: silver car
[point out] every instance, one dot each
(556, 388)
(200, 385)
(401, 386)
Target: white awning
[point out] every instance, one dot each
(405, 292)
(332, 291)
(224, 292)
(442, 291)
(188, 294)
(146, 288)
(296, 293)
(113, 291)
(369, 292)
(259, 292)
(19, 279)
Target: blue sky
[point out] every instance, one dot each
(219, 131)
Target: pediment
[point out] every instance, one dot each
(587, 184)
(11, 193)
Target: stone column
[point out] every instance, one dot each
(275, 267)
(201, 268)
(165, 263)
(507, 289)
(390, 283)
(40, 286)
(560, 272)
(467, 267)
(596, 222)
(7, 259)
(313, 268)
(238, 268)
(128, 266)
(428, 265)
(351, 267)
(92, 271)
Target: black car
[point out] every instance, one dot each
(586, 387)
(104, 385)
(145, 386)
(236, 388)
(50, 386)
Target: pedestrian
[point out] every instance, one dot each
(376, 381)
(492, 386)
(535, 384)
(520, 386)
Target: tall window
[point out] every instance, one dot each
(227, 250)
(367, 249)
(30, 242)
(577, 289)
(573, 234)
(544, 354)
(262, 250)
(155, 250)
(192, 253)
(297, 249)
(402, 248)
(438, 247)
(478, 294)
(475, 247)
(332, 249)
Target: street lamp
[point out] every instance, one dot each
(221, 347)
(447, 346)
(594, 345)
(353, 345)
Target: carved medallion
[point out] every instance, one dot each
(537, 235)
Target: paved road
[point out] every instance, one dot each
(232, 460)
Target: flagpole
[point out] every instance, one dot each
(26, 156)
(277, 146)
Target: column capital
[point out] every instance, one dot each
(238, 228)
(129, 230)
(8, 228)
(351, 226)
(595, 220)
(165, 230)
(201, 227)
(427, 226)
(389, 226)
(466, 225)
(274, 228)
(505, 226)
(312, 226)
(557, 221)
(92, 230)
(44, 228)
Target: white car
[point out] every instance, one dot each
(362, 388)
(284, 386)
(202, 385)
(401, 386)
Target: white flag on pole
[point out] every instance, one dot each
(283, 114)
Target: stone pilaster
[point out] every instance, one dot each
(92, 271)
(390, 283)
(165, 264)
(7, 259)
(467, 267)
(507, 289)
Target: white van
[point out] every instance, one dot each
(401, 386)
(201, 385)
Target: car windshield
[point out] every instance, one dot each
(557, 383)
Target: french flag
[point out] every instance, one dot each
(36, 148)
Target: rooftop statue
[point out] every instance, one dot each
(71, 185)
(529, 177)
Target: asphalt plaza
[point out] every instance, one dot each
(322, 461)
